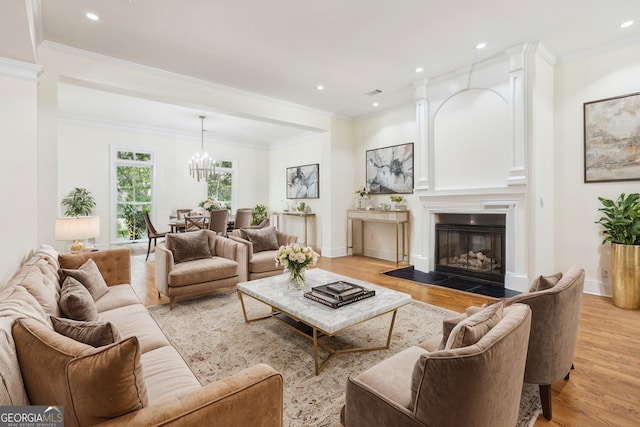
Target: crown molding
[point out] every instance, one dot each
(23, 70)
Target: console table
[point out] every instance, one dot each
(304, 216)
(399, 218)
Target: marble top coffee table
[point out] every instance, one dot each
(316, 320)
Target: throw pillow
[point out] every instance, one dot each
(188, 246)
(89, 275)
(76, 302)
(95, 334)
(262, 239)
(473, 328)
(93, 384)
(545, 282)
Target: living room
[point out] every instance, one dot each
(542, 186)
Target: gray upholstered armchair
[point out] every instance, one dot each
(197, 263)
(262, 245)
(554, 330)
(468, 383)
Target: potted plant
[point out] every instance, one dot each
(259, 214)
(621, 223)
(79, 202)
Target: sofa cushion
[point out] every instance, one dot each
(95, 334)
(135, 320)
(93, 385)
(118, 296)
(166, 375)
(202, 270)
(45, 289)
(89, 275)
(188, 246)
(263, 262)
(76, 301)
(470, 330)
(262, 239)
(545, 282)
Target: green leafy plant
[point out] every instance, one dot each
(259, 214)
(621, 220)
(396, 198)
(79, 202)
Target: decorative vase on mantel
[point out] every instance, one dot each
(296, 278)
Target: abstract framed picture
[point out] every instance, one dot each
(612, 139)
(389, 170)
(303, 182)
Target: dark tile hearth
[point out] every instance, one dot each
(452, 282)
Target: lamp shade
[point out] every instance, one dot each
(77, 228)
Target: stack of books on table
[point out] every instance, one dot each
(337, 294)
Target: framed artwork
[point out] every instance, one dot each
(390, 169)
(303, 182)
(612, 139)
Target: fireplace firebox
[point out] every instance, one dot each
(471, 246)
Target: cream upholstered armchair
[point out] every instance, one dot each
(197, 263)
(262, 245)
(475, 380)
(555, 303)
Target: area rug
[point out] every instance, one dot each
(212, 337)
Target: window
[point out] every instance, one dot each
(133, 193)
(221, 184)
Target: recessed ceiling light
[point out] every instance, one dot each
(92, 16)
(626, 24)
(375, 104)
(419, 69)
(481, 45)
(320, 87)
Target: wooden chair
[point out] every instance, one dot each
(180, 213)
(243, 218)
(218, 221)
(194, 223)
(152, 233)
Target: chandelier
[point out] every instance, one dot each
(201, 166)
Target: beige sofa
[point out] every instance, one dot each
(262, 245)
(198, 263)
(140, 379)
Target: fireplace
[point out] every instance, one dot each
(471, 245)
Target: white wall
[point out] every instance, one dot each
(589, 78)
(392, 127)
(18, 164)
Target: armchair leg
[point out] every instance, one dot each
(569, 373)
(545, 399)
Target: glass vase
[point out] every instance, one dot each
(296, 278)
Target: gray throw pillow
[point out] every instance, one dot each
(473, 328)
(189, 246)
(545, 282)
(263, 239)
(89, 276)
(95, 334)
(76, 302)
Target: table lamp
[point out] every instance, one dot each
(76, 229)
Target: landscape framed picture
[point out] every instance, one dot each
(389, 170)
(303, 182)
(612, 139)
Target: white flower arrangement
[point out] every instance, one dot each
(363, 191)
(212, 205)
(296, 257)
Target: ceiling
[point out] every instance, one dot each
(285, 48)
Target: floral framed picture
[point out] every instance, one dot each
(612, 139)
(303, 182)
(389, 170)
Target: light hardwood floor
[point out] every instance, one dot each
(604, 389)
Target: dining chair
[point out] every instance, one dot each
(194, 223)
(152, 233)
(180, 213)
(243, 218)
(218, 220)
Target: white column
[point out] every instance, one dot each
(421, 154)
(518, 88)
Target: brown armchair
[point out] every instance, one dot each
(262, 245)
(152, 233)
(468, 385)
(554, 330)
(198, 263)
